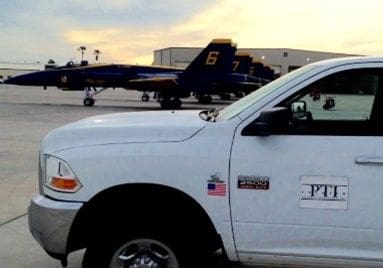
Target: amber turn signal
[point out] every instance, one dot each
(64, 183)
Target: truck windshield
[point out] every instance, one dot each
(239, 106)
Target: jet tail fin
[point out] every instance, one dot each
(259, 70)
(242, 63)
(217, 57)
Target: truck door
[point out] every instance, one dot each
(315, 189)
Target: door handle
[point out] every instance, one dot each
(366, 160)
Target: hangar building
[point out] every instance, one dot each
(281, 60)
(10, 69)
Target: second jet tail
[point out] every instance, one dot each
(242, 63)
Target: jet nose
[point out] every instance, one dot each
(8, 81)
(28, 79)
(14, 80)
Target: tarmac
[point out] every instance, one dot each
(27, 114)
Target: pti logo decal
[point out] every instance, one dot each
(324, 192)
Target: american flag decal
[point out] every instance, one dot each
(215, 188)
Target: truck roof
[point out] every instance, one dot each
(347, 60)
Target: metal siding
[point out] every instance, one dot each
(182, 57)
(12, 69)
(157, 57)
(273, 57)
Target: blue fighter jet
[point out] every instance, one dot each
(207, 74)
(264, 73)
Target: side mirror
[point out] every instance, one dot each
(271, 121)
(298, 109)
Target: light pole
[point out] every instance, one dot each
(97, 52)
(82, 49)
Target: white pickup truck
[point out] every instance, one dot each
(292, 173)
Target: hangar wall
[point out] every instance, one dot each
(176, 56)
(282, 60)
(10, 69)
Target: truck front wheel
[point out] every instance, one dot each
(146, 251)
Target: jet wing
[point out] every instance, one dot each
(153, 84)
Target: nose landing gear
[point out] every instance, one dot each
(145, 97)
(88, 102)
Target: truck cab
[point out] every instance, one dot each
(288, 174)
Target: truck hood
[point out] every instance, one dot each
(166, 126)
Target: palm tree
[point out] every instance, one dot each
(82, 49)
(97, 52)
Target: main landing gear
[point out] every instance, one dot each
(239, 94)
(170, 103)
(146, 97)
(204, 99)
(225, 96)
(88, 102)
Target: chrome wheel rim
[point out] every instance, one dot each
(144, 253)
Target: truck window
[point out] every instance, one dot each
(239, 106)
(338, 104)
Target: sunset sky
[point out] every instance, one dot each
(127, 31)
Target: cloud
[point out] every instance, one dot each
(128, 31)
(123, 29)
(116, 44)
(131, 45)
(104, 4)
(304, 24)
(98, 36)
(249, 23)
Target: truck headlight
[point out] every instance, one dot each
(59, 176)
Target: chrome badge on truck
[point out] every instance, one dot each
(324, 192)
(253, 182)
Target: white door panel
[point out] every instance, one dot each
(342, 242)
(274, 220)
(325, 191)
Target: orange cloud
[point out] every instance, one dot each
(337, 26)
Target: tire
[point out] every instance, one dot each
(145, 98)
(239, 94)
(206, 99)
(175, 103)
(165, 104)
(88, 102)
(225, 96)
(134, 249)
(199, 98)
